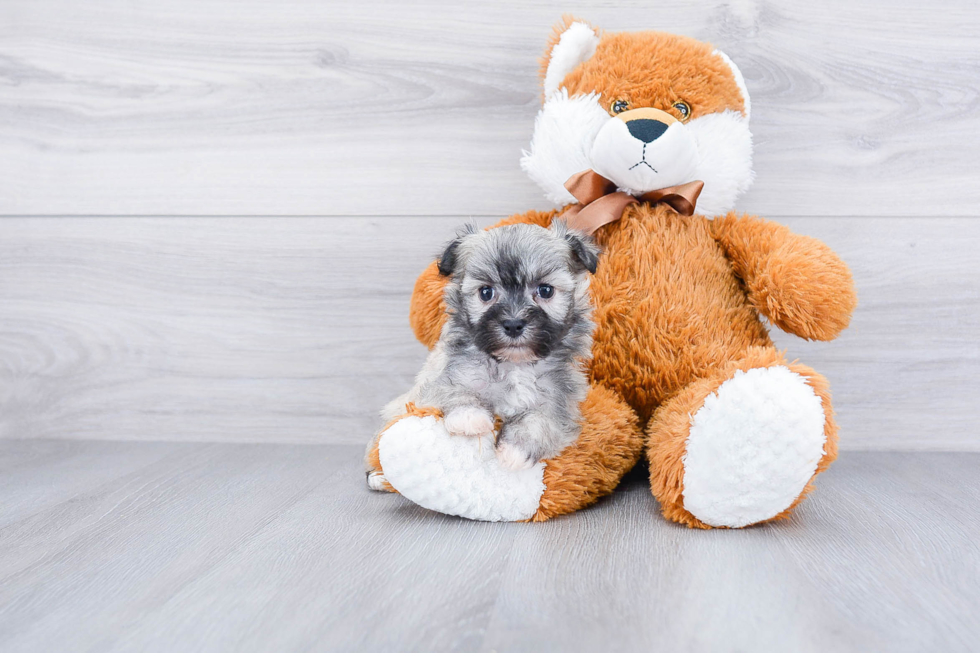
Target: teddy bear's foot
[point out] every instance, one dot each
(742, 447)
(753, 446)
(456, 475)
(417, 457)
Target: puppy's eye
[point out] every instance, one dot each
(486, 293)
(545, 291)
(683, 108)
(619, 106)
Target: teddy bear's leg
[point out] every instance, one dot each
(610, 445)
(460, 475)
(743, 445)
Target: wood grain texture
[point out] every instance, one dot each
(223, 547)
(207, 329)
(36, 475)
(296, 329)
(383, 107)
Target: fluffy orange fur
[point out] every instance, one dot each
(609, 446)
(798, 286)
(630, 65)
(677, 299)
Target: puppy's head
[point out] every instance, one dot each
(520, 293)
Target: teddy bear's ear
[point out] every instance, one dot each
(573, 42)
(739, 80)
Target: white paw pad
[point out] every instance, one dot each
(454, 475)
(469, 420)
(512, 457)
(753, 446)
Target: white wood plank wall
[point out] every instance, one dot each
(342, 142)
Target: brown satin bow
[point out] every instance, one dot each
(600, 203)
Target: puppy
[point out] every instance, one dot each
(519, 328)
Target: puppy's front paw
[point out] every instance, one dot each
(469, 420)
(512, 457)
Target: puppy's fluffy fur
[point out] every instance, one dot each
(519, 328)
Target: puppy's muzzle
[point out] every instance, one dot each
(647, 125)
(513, 328)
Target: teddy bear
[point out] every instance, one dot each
(643, 141)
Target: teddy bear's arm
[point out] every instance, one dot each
(427, 312)
(795, 281)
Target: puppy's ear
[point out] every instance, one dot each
(584, 250)
(450, 256)
(447, 262)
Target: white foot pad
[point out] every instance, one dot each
(753, 447)
(456, 475)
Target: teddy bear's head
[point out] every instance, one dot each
(646, 110)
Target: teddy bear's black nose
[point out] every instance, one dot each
(645, 129)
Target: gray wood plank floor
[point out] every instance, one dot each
(123, 546)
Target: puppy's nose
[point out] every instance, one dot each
(514, 328)
(646, 130)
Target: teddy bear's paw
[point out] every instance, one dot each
(753, 446)
(456, 476)
(469, 420)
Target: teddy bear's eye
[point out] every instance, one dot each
(619, 106)
(683, 108)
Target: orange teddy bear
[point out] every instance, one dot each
(643, 139)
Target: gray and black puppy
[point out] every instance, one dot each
(519, 329)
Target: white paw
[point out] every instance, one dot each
(469, 420)
(753, 447)
(456, 476)
(377, 481)
(513, 458)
